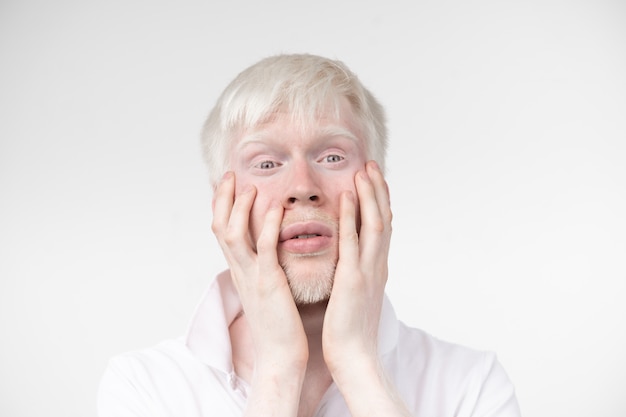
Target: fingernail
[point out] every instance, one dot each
(364, 176)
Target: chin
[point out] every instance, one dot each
(310, 282)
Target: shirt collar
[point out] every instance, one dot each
(208, 337)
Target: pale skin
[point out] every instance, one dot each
(319, 185)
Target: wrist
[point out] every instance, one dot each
(277, 361)
(368, 391)
(349, 370)
(278, 370)
(274, 391)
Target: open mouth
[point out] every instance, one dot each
(305, 230)
(306, 237)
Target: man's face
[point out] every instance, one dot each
(304, 170)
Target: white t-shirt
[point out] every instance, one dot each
(194, 377)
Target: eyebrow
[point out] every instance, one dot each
(320, 133)
(334, 131)
(256, 136)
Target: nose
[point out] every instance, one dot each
(303, 186)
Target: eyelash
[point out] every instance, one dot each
(339, 158)
(261, 164)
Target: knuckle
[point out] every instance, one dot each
(351, 236)
(230, 238)
(263, 244)
(378, 226)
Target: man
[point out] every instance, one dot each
(299, 325)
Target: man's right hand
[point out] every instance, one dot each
(281, 347)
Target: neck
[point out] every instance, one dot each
(312, 316)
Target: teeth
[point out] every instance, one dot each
(304, 236)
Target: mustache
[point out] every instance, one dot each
(310, 216)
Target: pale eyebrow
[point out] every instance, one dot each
(263, 136)
(337, 131)
(258, 136)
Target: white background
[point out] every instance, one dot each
(507, 171)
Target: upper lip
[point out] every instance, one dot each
(304, 228)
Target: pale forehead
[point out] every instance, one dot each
(338, 123)
(269, 134)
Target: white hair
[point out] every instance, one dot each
(304, 86)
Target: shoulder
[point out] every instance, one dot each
(147, 381)
(431, 352)
(472, 380)
(153, 359)
(147, 366)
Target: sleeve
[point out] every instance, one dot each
(121, 392)
(496, 394)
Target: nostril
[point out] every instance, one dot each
(293, 200)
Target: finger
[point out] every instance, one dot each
(372, 224)
(268, 240)
(222, 203)
(230, 221)
(381, 189)
(348, 236)
(237, 236)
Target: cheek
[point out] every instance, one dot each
(339, 187)
(263, 191)
(241, 181)
(265, 195)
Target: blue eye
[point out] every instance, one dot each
(333, 158)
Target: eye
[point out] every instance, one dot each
(333, 158)
(266, 165)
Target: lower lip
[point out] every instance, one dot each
(306, 246)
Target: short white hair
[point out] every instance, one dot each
(302, 85)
